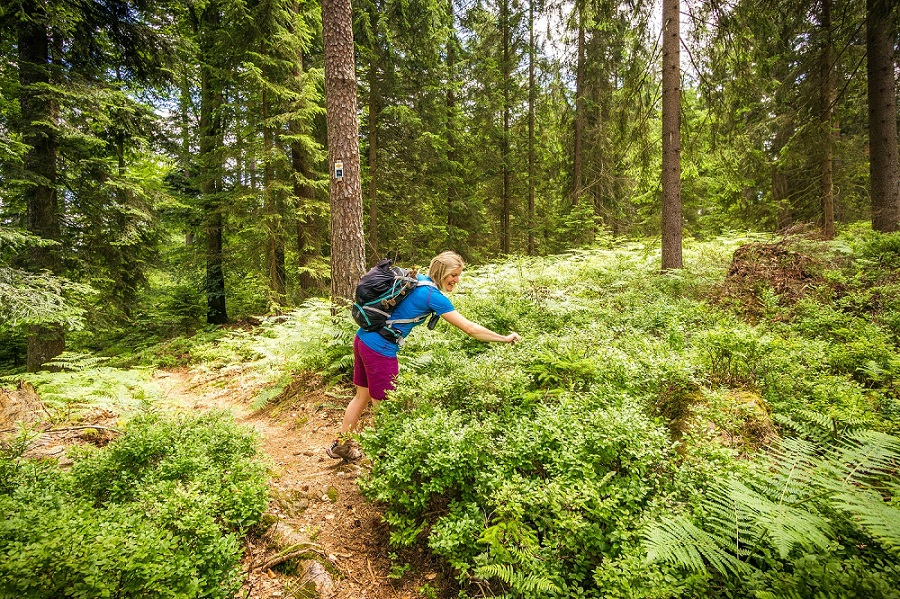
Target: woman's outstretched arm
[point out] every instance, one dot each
(476, 331)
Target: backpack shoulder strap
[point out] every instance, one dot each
(421, 283)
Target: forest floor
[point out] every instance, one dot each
(315, 495)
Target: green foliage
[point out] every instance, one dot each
(734, 357)
(206, 452)
(571, 473)
(90, 385)
(157, 513)
(536, 470)
(811, 500)
(881, 248)
(36, 298)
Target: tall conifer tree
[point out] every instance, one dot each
(671, 136)
(345, 192)
(73, 64)
(884, 172)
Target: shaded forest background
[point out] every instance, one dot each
(164, 164)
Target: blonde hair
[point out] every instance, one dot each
(442, 264)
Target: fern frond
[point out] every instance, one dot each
(532, 583)
(867, 455)
(783, 525)
(75, 362)
(802, 428)
(874, 516)
(679, 541)
(825, 423)
(788, 480)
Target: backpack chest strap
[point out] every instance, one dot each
(407, 320)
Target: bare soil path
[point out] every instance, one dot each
(310, 492)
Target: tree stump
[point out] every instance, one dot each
(21, 406)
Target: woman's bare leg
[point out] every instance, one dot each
(355, 409)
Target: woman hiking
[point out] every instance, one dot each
(375, 358)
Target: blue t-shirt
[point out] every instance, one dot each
(423, 300)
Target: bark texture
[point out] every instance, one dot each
(38, 118)
(373, 162)
(578, 156)
(884, 178)
(828, 130)
(274, 209)
(452, 192)
(347, 240)
(671, 137)
(505, 208)
(210, 167)
(310, 223)
(531, 102)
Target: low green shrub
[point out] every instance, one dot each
(534, 470)
(157, 513)
(531, 500)
(882, 249)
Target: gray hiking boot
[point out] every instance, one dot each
(343, 451)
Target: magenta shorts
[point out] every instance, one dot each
(372, 370)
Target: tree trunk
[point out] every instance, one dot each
(184, 108)
(780, 199)
(210, 172)
(275, 245)
(127, 269)
(883, 161)
(373, 162)
(671, 137)
(39, 115)
(828, 100)
(452, 190)
(531, 101)
(347, 241)
(505, 149)
(578, 158)
(309, 222)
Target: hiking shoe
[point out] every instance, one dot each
(343, 451)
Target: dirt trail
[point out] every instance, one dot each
(310, 492)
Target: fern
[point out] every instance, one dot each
(338, 356)
(523, 584)
(75, 362)
(679, 541)
(800, 427)
(780, 507)
(513, 545)
(877, 518)
(817, 426)
(776, 521)
(825, 423)
(870, 455)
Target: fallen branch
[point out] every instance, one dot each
(294, 544)
(287, 556)
(81, 428)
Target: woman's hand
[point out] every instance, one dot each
(512, 338)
